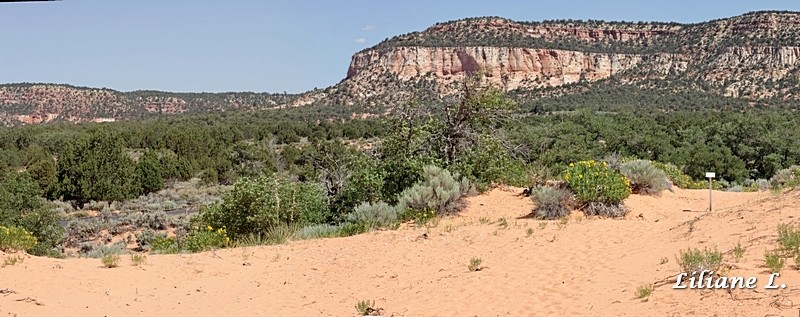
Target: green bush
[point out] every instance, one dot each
(102, 250)
(254, 206)
(696, 260)
(374, 215)
(364, 184)
(110, 260)
(165, 245)
(148, 174)
(645, 179)
(439, 192)
(318, 231)
(786, 178)
(593, 182)
(206, 239)
(675, 175)
(21, 206)
(148, 219)
(789, 239)
(13, 239)
(551, 203)
(146, 237)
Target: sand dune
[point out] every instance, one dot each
(587, 266)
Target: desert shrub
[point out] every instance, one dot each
(99, 206)
(96, 251)
(475, 264)
(774, 261)
(279, 234)
(364, 183)
(209, 176)
(110, 260)
(374, 215)
(643, 292)
(786, 178)
(644, 178)
(551, 203)
(350, 229)
(165, 245)
(514, 173)
(254, 206)
(145, 237)
(439, 191)
(148, 219)
(675, 175)
(605, 209)
(696, 260)
(789, 239)
(762, 184)
(735, 189)
(318, 231)
(138, 259)
(594, 182)
(206, 239)
(80, 230)
(614, 161)
(181, 222)
(13, 239)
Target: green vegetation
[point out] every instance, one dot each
(643, 292)
(738, 252)
(365, 307)
(475, 265)
(598, 189)
(438, 192)
(110, 260)
(377, 215)
(254, 206)
(309, 172)
(644, 178)
(774, 261)
(789, 239)
(13, 239)
(551, 203)
(138, 259)
(22, 207)
(696, 260)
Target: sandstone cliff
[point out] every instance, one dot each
(506, 67)
(750, 56)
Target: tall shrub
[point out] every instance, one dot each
(645, 178)
(598, 189)
(439, 191)
(254, 206)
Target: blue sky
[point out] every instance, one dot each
(264, 46)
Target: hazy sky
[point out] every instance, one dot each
(261, 45)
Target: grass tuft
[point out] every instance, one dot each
(643, 292)
(475, 265)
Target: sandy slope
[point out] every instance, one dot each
(585, 267)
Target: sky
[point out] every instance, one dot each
(263, 45)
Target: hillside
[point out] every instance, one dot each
(43, 103)
(751, 59)
(584, 266)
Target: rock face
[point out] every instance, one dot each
(509, 68)
(750, 56)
